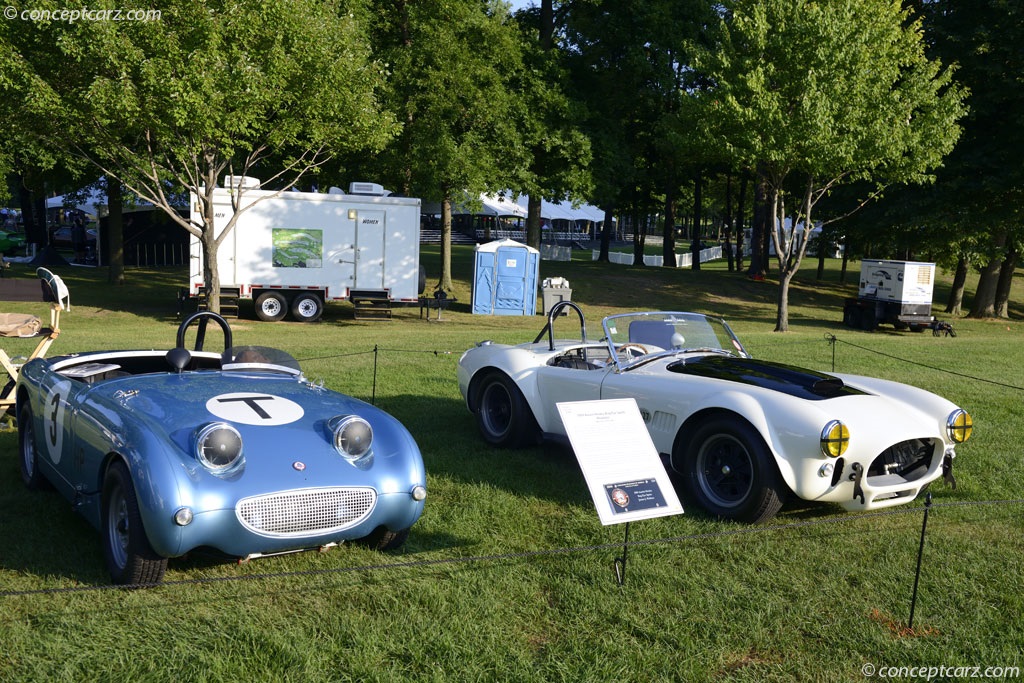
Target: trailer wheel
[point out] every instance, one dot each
(851, 316)
(307, 308)
(271, 306)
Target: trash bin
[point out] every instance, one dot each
(554, 290)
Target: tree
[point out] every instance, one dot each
(631, 70)
(819, 94)
(981, 187)
(274, 87)
(451, 63)
(559, 152)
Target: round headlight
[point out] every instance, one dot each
(352, 436)
(835, 437)
(959, 426)
(218, 446)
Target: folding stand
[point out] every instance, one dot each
(56, 293)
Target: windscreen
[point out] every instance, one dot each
(646, 334)
(261, 358)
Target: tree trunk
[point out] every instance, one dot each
(533, 217)
(1002, 299)
(984, 305)
(741, 220)
(821, 246)
(698, 209)
(956, 292)
(33, 233)
(758, 252)
(638, 238)
(115, 232)
(782, 319)
(846, 262)
(728, 221)
(606, 233)
(211, 269)
(446, 244)
(668, 241)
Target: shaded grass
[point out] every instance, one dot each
(813, 600)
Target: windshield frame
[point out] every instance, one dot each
(261, 359)
(698, 333)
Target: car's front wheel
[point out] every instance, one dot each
(384, 539)
(29, 459)
(129, 556)
(502, 413)
(728, 470)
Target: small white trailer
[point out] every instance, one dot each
(894, 292)
(295, 251)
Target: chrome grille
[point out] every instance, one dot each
(306, 511)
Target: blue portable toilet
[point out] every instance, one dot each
(505, 275)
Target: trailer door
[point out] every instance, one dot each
(370, 231)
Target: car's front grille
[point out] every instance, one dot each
(305, 512)
(909, 460)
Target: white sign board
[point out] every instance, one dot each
(620, 464)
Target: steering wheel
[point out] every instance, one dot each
(633, 346)
(179, 356)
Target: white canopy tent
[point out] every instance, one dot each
(93, 204)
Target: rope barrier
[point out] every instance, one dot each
(832, 339)
(525, 554)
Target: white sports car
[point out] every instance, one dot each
(740, 433)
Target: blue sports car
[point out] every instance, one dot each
(235, 451)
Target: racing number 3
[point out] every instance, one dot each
(53, 430)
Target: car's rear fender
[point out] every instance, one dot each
(519, 365)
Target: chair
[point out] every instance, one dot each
(56, 293)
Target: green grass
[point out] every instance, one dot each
(483, 589)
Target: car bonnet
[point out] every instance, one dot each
(787, 379)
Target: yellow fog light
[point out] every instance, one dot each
(835, 437)
(959, 426)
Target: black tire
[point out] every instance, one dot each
(867, 320)
(383, 539)
(271, 307)
(853, 317)
(126, 549)
(502, 413)
(728, 470)
(307, 308)
(29, 454)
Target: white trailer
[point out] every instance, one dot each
(297, 250)
(894, 292)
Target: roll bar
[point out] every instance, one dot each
(549, 327)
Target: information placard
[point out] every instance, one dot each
(620, 464)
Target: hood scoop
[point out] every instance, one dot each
(787, 379)
(828, 388)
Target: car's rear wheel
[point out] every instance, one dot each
(29, 459)
(271, 306)
(728, 470)
(129, 556)
(502, 413)
(384, 539)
